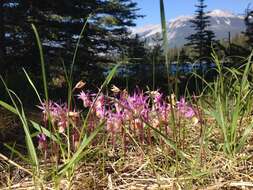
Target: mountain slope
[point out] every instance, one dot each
(222, 22)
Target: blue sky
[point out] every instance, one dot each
(175, 8)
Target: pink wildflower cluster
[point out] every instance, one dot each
(132, 112)
(121, 112)
(60, 119)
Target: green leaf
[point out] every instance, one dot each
(44, 131)
(23, 119)
(8, 107)
(78, 155)
(43, 69)
(244, 137)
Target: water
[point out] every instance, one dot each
(174, 68)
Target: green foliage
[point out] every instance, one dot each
(70, 159)
(249, 27)
(19, 110)
(232, 103)
(164, 33)
(136, 50)
(165, 44)
(202, 40)
(59, 23)
(42, 62)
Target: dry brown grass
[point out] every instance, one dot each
(153, 167)
(149, 172)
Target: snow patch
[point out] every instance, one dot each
(221, 13)
(179, 28)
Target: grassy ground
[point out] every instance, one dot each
(205, 155)
(147, 167)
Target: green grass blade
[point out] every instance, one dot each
(244, 137)
(8, 107)
(110, 76)
(44, 131)
(246, 71)
(164, 32)
(78, 155)
(17, 153)
(43, 69)
(165, 42)
(169, 142)
(106, 82)
(32, 84)
(77, 46)
(23, 119)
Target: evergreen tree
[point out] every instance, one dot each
(2, 37)
(183, 57)
(59, 23)
(249, 27)
(155, 53)
(137, 52)
(203, 38)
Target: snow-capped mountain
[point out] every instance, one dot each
(221, 22)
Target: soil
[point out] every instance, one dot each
(11, 129)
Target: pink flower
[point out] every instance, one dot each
(48, 109)
(57, 113)
(85, 97)
(100, 102)
(137, 103)
(100, 113)
(186, 110)
(189, 112)
(99, 107)
(42, 141)
(157, 96)
(114, 122)
(118, 107)
(164, 111)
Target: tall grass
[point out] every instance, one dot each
(165, 43)
(42, 62)
(232, 104)
(71, 161)
(19, 110)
